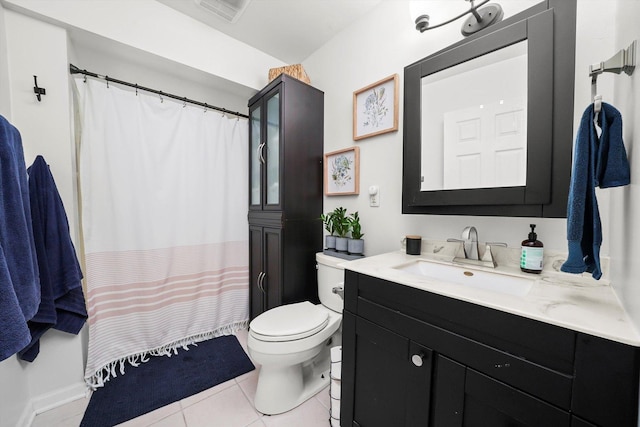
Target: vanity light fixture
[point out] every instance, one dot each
(482, 18)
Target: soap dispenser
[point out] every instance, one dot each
(532, 253)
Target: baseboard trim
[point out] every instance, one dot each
(59, 397)
(54, 399)
(28, 415)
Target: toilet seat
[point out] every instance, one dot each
(289, 322)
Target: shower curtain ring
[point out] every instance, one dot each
(184, 103)
(161, 100)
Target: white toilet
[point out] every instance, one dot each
(292, 343)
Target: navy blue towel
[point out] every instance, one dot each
(62, 304)
(19, 287)
(597, 162)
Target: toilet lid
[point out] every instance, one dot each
(289, 322)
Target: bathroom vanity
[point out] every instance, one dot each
(425, 351)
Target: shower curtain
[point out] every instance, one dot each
(163, 203)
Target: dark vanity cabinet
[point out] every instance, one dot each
(414, 358)
(285, 192)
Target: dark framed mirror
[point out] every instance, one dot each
(449, 105)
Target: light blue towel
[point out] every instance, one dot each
(19, 286)
(597, 162)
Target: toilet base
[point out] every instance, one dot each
(303, 381)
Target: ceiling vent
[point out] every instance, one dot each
(229, 10)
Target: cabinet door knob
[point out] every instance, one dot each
(417, 359)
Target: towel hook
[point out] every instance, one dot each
(39, 91)
(623, 61)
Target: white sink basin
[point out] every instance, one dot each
(462, 275)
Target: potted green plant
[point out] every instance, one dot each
(330, 240)
(355, 244)
(341, 227)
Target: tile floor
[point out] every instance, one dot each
(229, 404)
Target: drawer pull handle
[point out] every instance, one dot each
(417, 359)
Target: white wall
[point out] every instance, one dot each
(379, 45)
(384, 42)
(105, 57)
(5, 108)
(56, 374)
(624, 213)
(155, 28)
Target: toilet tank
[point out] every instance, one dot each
(330, 276)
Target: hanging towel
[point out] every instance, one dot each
(597, 162)
(19, 287)
(62, 304)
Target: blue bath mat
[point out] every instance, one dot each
(164, 380)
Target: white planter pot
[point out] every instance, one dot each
(330, 242)
(356, 246)
(342, 244)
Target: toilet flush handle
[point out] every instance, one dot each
(339, 290)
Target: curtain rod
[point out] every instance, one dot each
(75, 70)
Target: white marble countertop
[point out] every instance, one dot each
(576, 302)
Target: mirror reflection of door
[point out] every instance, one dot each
(485, 146)
(465, 146)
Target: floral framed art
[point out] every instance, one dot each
(342, 172)
(375, 108)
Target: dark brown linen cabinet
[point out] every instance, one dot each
(285, 192)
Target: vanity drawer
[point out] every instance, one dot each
(544, 383)
(547, 345)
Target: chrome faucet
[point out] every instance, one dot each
(469, 242)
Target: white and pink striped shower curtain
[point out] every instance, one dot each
(164, 193)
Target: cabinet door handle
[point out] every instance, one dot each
(261, 281)
(261, 153)
(417, 359)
